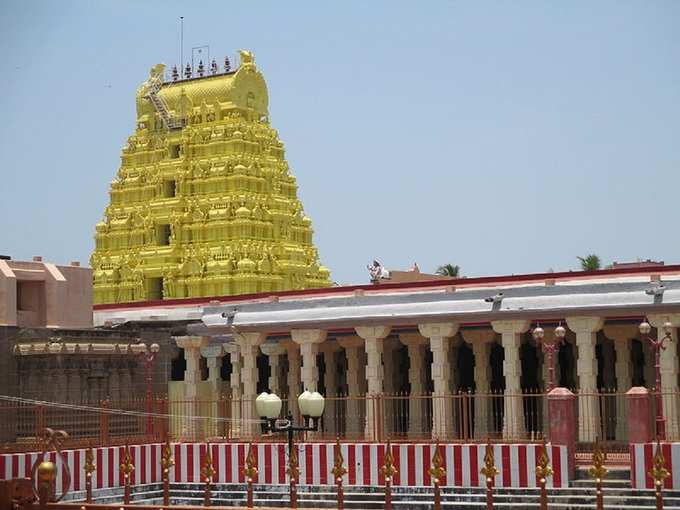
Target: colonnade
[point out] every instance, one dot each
(370, 370)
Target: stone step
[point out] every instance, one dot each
(415, 498)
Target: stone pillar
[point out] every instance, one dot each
(355, 417)
(639, 410)
(213, 355)
(373, 343)
(416, 377)
(586, 329)
(330, 382)
(481, 340)
(390, 403)
(249, 347)
(442, 409)
(192, 376)
(274, 353)
(235, 386)
(621, 335)
(293, 380)
(562, 427)
(669, 373)
(309, 340)
(513, 410)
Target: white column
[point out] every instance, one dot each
(513, 410)
(390, 403)
(249, 346)
(440, 335)
(355, 417)
(330, 382)
(373, 343)
(192, 376)
(213, 355)
(293, 380)
(586, 329)
(621, 335)
(669, 373)
(309, 340)
(235, 385)
(481, 340)
(274, 353)
(416, 377)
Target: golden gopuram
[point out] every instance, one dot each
(204, 203)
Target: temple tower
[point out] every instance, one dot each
(204, 203)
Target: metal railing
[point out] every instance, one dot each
(466, 417)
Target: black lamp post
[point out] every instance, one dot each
(311, 406)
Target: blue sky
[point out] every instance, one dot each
(506, 137)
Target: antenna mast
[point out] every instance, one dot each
(181, 42)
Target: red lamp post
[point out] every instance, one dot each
(148, 356)
(550, 346)
(658, 345)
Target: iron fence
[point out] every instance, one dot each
(465, 416)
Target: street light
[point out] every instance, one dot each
(268, 407)
(148, 356)
(658, 344)
(550, 346)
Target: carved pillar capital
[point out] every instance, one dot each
(191, 342)
(308, 336)
(372, 332)
(478, 336)
(585, 324)
(412, 339)
(438, 329)
(510, 327)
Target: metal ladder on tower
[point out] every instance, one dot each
(153, 86)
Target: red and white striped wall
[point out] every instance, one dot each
(516, 464)
(641, 463)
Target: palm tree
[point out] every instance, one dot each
(448, 270)
(590, 262)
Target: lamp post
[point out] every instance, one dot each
(658, 344)
(550, 346)
(148, 356)
(311, 406)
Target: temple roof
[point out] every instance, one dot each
(615, 298)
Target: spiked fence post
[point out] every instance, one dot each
(90, 468)
(543, 471)
(127, 467)
(437, 472)
(489, 471)
(166, 463)
(598, 472)
(338, 472)
(659, 473)
(388, 470)
(207, 473)
(250, 472)
(293, 473)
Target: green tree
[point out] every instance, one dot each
(590, 262)
(449, 270)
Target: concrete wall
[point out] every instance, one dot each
(37, 294)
